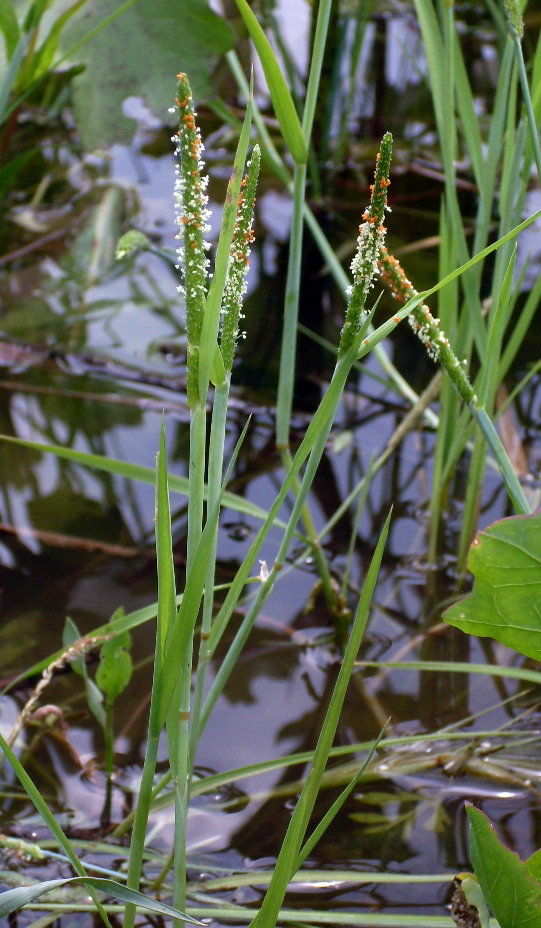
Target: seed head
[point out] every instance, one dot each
(364, 266)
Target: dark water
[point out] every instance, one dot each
(91, 354)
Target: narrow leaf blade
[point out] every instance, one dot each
(14, 899)
(282, 101)
(9, 27)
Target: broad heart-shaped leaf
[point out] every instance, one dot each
(513, 896)
(505, 560)
(139, 53)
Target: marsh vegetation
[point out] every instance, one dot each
(228, 679)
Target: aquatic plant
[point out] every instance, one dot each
(213, 308)
(171, 700)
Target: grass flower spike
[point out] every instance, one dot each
(425, 326)
(364, 266)
(514, 8)
(191, 217)
(243, 235)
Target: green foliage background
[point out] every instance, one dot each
(138, 53)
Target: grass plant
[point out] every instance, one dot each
(474, 341)
(447, 71)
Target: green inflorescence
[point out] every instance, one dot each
(513, 8)
(191, 217)
(425, 326)
(364, 266)
(238, 261)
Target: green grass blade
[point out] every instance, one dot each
(514, 341)
(48, 817)
(167, 609)
(492, 155)
(42, 61)
(489, 380)
(11, 75)
(532, 123)
(316, 63)
(9, 26)
(181, 632)
(488, 670)
(469, 123)
(263, 877)
(114, 627)
(216, 781)
(333, 917)
(288, 347)
(215, 468)
(331, 814)
(196, 476)
(435, 55)
(289, 853)
(166, 620)
(282, 102)
(136, 472)
(14, 899)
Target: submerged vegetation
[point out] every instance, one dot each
(472, 313)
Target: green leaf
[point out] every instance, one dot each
(167, 608)
(14, 899)
(331, 813)
(7, 902)
(282, 101)
(9, 27)
(115, 669)
(533, 865)
(34, 14)
(218, 376)
(513, 896)
(475, 896)
(290, 852)
(137, 472)
(9, 78)
(505, 560)
(144, 48)
(179, 634)
(42, 61)
(94, 698)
